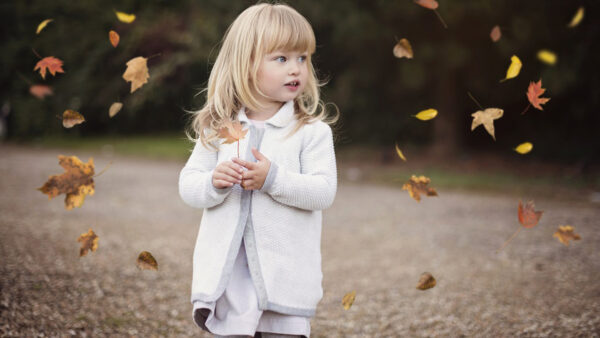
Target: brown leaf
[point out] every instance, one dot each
(348, 300)
(528, 217)
(114, 109)
(146, 261)
(89, 241)
(75, 183)
(418, 185)
(232, 131)
(71, 118)
(40, 91)
(566, 233)
(426, 281)
(51, 64)
(533, 94)
(136, 72)
(403, 49)
(486, 117)
(114, 38)
(430, 4)
(495, 34)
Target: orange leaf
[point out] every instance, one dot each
(40, 91)
(418, 185)
(51, 64)
(146, 261)
(114, 38)
(89, 241)
(75, 183)
(566, 233)
(232, 131)
(426, 281)
(534, 92)
(430, 4)
(71, 118)
(528, 217)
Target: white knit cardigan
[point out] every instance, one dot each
(283, 238)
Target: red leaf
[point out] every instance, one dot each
(534, 92)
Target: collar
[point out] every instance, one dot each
(281, 119)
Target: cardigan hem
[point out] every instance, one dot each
(284, 309)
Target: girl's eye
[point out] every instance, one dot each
(281, 58)
(302, 58)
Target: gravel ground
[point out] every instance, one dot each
(376, 240)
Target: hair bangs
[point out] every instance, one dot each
(288, 31)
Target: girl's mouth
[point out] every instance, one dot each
(293, 85)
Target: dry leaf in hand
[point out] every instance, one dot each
(136, 72)
(426, 281)
(496, 34)
(40, 91)
(486, 117)
(348, 299)
(534, 92)
(403, 49)
(42, 25)
(71, 118)
(146, 261)
(114, 109)
(89, 241)
(50, 63)
(514, 68)
(566, 233)
(114, 38)
(76, 182)
(232, 131)
(418, 185)
(524, 148)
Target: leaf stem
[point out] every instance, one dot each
(480, 107)
(103, 170)
(510, 239)
(440, 17)
(526, 108)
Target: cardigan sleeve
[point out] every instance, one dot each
(195, 179)
(315, 186)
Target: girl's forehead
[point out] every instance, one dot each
(287, 51)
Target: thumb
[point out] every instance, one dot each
(257, 154)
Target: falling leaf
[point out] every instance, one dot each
(42, 25)
(547, 56)
(524, 148)
(348, 299)
(566, 233)
(145, 261)
(426, 281)
(89, 241)
(124, 17)
(427, 114)
(403, 49)
(136, 72)
(400, 154)
(418, 185)
(495, 34)
(114, 38)
(577, 17)
(71, 118)
(40, 91)
(528, 217)
(51, 64)
(232, 131)
(75, 183)
(114, 109)
(534, 92)
(486, 117)
(513, 69)
(429, 4)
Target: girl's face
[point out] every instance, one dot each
(282, 76)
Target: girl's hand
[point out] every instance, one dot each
(255, 176)
(226, 174)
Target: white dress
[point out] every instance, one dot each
(236, 311)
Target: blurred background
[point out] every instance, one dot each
(377, 93)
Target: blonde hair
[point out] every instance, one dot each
(257, 31)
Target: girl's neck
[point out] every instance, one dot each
(265, 114)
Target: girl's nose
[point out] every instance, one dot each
(294, 68)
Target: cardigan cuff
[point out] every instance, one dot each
(270, 178)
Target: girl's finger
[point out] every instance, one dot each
(233, 173)
(226, 177)
(249, 175)
(235, 167)
(223, 183)
(248, 184)
(249, 165)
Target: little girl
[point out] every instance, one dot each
(257, 259)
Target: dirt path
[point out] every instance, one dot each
(376, 241)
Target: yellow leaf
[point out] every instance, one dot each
(403, 49)
(566, 233)
(42, 25)
(124, 17)
(524, 148)
(89, 241)
(426, 281)
(486, 117)
(513, 69)
(348, 299)
(136, 72)
(146, 261)
(399, 152)
(547, 56)
(114, 108)
(427, 114)
(71, 118)
(577, 17)
(76, 182)
(417, 186)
